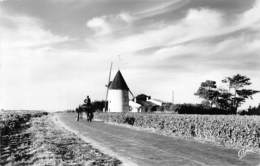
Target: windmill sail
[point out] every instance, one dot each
(108, 83)
(131, 93)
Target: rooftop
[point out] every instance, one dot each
(119, 82)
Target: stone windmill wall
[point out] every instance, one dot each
(118, 95)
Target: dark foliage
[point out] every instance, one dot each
(99, 105)
(251, 111)
(208, 91)
(129, 120)
(237, 84)
(142, 98)
(199, 109)
(226, 99)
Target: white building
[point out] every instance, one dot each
(118, 94)
(135, 107)
(156, 101)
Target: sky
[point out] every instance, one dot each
(53, 53)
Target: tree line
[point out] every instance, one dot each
(216, 100)
(230, 98)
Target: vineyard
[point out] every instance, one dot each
(30, 138)
(15, 141)
(228, 130)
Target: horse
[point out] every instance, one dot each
(88, 109)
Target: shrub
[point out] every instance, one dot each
(251, 111)
(198, 109)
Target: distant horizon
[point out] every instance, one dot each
(51, 59)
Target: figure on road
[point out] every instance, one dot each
(88, 108)
(87, 101)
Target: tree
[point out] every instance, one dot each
(223, 100)
(99, 105)
(236, 86)
(208, 91)
(251, 111)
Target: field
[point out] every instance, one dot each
(31, 138)
(233, 131)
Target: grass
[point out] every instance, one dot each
(41, 142)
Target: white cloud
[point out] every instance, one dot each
(251, 16)
(197, 24)
(106, 25)
(126, 17)
(23, 44)
(170, 40)
(160, 9)
(44, 76)
(22, 31)
(99, 25)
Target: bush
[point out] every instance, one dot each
(251, 111)
(234, 130)
(198, 109)
(99, 105)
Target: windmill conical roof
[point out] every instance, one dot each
(119, 82)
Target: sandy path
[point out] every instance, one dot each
(126, 162)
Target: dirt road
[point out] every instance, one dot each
(148, 149)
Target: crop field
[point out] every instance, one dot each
(234, 131)
(31, 138)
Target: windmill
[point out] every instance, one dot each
(117, 93)
(108, 83)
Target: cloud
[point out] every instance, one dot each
(188, 41)
(160, 8)
(24, 46)
(251, 16)
(204, 41)
(163, 45)
(197, 24)
(23, 31)
(99, 25)
(106, 25)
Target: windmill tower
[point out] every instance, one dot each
(118, 94)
